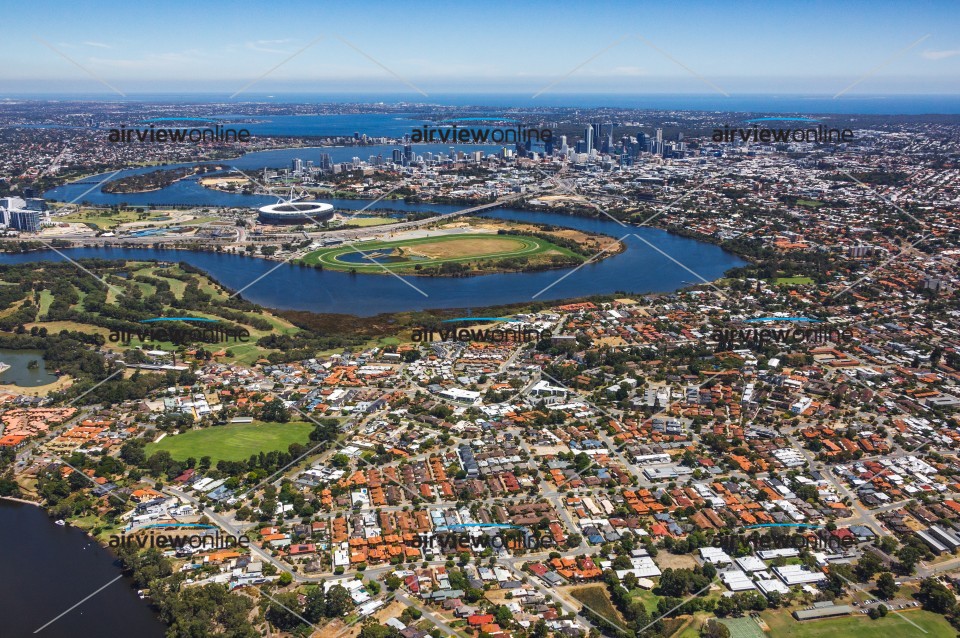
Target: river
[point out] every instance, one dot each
(46, 569)
(659, 262)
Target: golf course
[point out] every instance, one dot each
(481, 251)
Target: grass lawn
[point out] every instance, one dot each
(105, 220)
(235, 442)
(782, 625)
(792, 281)
(432, 251)
(649, 599)
(596, 598)
(809, 202)
(369, 221)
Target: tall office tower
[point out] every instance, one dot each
(326, 161)
(588, 137)
(609, 139)
(658, 149)
(297, 166)
(25, 220)
(397, 156)
(408, 155)
(597, 133)
(642, 140)
(563, 144)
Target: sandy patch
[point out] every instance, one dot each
(40, 390)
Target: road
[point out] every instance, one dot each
(863, 516)
(429, 615)
(568, 606)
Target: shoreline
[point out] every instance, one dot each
(14, 499)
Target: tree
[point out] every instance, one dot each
(725, 607)
(868, 565)
(935, 597)
(503, 615)
(714, 629)
(909, 555)
(393, 582)
(279, 612)
(709, 571)
(132, 452)
(374, 630)
(275, 412)
(887, 586)
(338, 601)
(316, 605)
(285, 579)
(192, 610)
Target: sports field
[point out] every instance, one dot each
(235, 442)
(925, 624)
(743, 627)
(407, 254)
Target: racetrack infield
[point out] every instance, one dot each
(406, 254)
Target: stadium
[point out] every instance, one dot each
(295, 213)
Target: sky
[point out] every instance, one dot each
(534, 47)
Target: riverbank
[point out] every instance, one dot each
(56, 567)
(62, 383)
(637, 270)
(23, 501)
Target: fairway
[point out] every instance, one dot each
(782, 625)
(235, 442)
(406, 254)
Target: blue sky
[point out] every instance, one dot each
(681, 46)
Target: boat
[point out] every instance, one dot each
(59, 522)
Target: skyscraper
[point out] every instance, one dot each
(588, 137)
